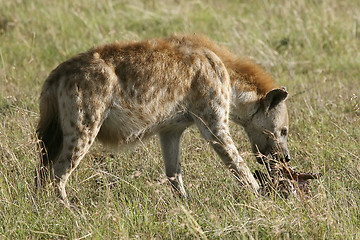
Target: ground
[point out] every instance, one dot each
(311, 47)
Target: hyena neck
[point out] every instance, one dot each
(244, 104)
(249, 83)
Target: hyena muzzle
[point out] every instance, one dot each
(124, 92)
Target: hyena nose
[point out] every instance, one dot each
(287, 157)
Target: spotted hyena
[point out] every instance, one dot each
(124, 92)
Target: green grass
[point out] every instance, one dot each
(312, 47)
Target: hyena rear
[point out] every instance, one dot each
(124, 92)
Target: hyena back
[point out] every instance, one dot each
(124, 92)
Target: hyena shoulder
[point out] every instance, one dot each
(245, 75)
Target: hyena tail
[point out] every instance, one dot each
(49, 133)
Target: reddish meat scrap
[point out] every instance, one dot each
(281, 179)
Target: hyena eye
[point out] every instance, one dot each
(283, 132)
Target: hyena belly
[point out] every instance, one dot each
(123, 127)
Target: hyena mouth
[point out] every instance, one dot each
(272, 157)
(277, 156)
(280, 157)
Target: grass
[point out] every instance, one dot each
(312, 47)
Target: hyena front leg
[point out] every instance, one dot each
(214, 128)
(170, 146)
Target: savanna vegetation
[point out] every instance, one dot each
(311, 47)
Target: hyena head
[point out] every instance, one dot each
(268, 128)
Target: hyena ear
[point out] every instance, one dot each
(274, 97)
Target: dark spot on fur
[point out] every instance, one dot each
(84, 137)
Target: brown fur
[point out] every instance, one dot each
(244, 73)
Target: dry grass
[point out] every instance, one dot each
(312, 47)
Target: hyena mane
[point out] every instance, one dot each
(244, 73)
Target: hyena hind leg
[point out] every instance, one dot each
(74, 148)
(80, 134)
